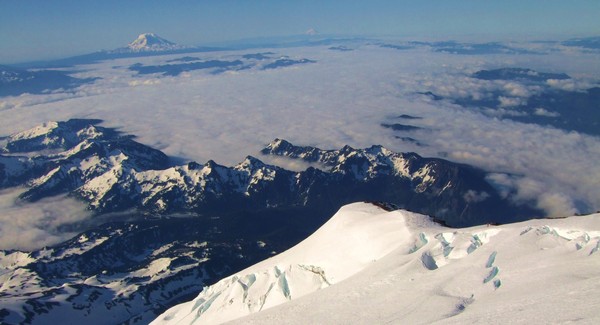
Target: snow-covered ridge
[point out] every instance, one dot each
(111, 172)
(374, 160)
(406, 268)
(55, 135)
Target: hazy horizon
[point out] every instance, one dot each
(38, 30)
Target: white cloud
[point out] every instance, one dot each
(544, 112)
(511, 101)
(28, 226)
(557, 204)
(501, 112)
(145, 82)
(504, 183)
(551, 160)
(288, 163)
(516, 89)
(341, 99)
(569, 84)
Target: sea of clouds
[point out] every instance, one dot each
(341, 99)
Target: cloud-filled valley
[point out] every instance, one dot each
(341, 98)
(29, 226)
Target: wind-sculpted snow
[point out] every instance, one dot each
(537, 271)
(257, 291)
(111, 172)
(451, 246)
(340, 248)
(374, 266)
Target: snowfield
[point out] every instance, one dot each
(370, 266)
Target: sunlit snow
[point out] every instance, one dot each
(370, 266)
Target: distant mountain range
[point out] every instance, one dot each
(15, 81)
(592, 43)
(150, 44)
(111, 172)
(170, 230)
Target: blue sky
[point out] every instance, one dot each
(40, 29)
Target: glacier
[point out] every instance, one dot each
(368, 265)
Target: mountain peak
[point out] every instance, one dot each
(152, 42)
(311, 32)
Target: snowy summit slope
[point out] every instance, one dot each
(355, 237)
(152, 42)
(380, 267)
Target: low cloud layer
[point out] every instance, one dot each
(28, 226)
(341, 99)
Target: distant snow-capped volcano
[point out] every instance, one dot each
(152, 42)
